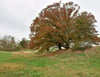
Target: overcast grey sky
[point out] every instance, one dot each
(17, 15)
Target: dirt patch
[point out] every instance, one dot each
(22, 53)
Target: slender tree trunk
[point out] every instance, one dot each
(59, 46)
(48, 49)
(67, 46)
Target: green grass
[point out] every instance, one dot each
(64, 65)
(4, 56)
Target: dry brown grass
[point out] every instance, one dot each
(10, 66)
(62, 70)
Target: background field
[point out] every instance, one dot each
(65, 64)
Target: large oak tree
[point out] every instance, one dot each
(62, 25)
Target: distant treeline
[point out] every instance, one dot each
(8, 43)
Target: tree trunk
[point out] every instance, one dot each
(48, 49)
(67, 46)
(59, 46)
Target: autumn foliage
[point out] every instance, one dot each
(62, 25)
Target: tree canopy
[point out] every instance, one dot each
(24, 43)
(62, 25)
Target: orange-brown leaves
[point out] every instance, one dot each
(62, 25)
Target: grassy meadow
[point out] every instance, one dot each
(65, 64)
